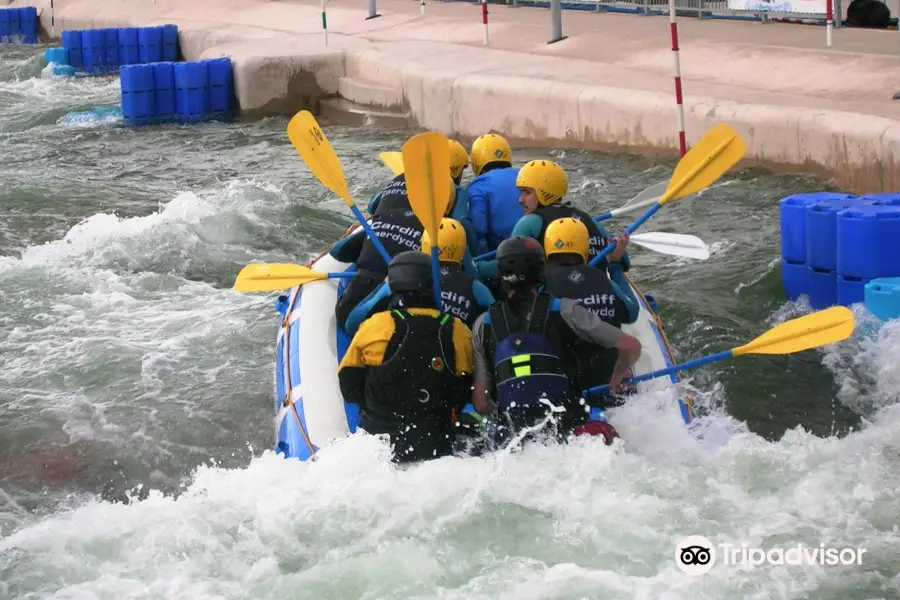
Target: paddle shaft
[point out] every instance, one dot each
(624, 210)
(368, 229)
(698, 362)
(628, 230)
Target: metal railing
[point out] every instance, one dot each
(743, 10)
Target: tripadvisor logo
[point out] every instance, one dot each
(696, 555)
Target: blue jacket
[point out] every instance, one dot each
(494, 207)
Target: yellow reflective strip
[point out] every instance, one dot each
(522, 371)
(520, 358)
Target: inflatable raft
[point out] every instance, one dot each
(310, 411)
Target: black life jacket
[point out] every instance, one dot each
(458, 293)
(590, 287)
(564, 211)
(397, 230)
(417, 381)
(394, 196)
(528, 354)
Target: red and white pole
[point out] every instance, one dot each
(829, 21)
(678, 97)
(484, 20)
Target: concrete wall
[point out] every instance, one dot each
(282, 66)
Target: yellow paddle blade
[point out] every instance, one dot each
(393, 160)
(426, 157)
(818, 329)
(269, 277)
(719, 150)
(312, 145)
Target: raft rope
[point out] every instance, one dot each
(288, 401)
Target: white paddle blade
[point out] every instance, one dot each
(675, 244)
(654, 193)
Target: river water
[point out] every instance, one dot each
(135, 394)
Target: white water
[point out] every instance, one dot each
(580, 521)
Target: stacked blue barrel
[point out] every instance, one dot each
(838, 248)
(19, 25)
(98, 51)
(184, 92)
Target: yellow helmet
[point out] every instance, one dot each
(452, 239)
(546, 178)
(459, 160)
(566, 236)
(489, 148)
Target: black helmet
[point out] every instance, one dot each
(520, 259)
(409, 271)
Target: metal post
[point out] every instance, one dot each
(829, 21)
(373, 11)
(422, 8)
(556, 33)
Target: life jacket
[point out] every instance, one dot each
(458, 294)
(394, 196)
(590, 287)
(528, 356)
(564, 211)
(397, 230)
(417, 381)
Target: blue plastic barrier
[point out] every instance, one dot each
(150, 44)
(186, 92)
(97, 51)
(71, 41)
(93, 48)
(221, 85)
(192, 91)
(882, 297)
(164, 90)
(138, 94)
(111, 41)
(19, 25)
(885, 198)
(129, 53)
(169, 43)
(792, 210)
(59, 56)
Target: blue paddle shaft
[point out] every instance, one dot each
(436, 276)
(629, 230)
(697, 362)
(371, 234)
(341, 275)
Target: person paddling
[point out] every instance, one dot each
(463, 295)
(409, 368)
(605, 292)
(523, 349)
(493, 197)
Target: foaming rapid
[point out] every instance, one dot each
(136, 394)
(583, 520)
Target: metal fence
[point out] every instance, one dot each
(758, 10)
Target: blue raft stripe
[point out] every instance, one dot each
(279, 374)
(686, 412)
(293, 439)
